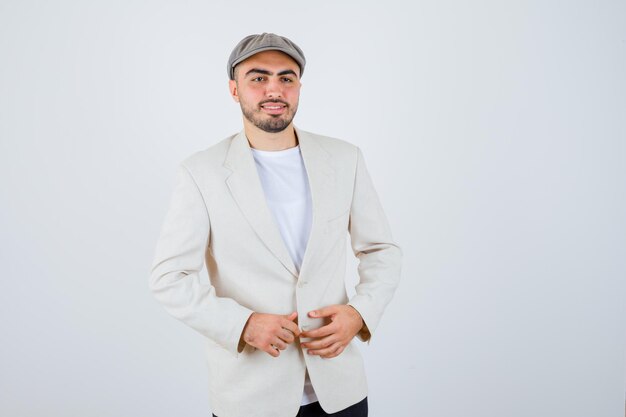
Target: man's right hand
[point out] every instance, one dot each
(271, 332)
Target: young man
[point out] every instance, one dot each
(268, 210)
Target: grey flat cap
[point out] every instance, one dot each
(254, 44)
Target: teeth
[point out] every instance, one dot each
(273, 107)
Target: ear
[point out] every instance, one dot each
(232, 86)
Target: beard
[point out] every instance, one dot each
(275, 123)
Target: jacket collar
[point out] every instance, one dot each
(245, 186)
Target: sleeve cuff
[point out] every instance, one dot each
(364, 334)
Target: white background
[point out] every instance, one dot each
(494, 132)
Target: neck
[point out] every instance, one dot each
(266, 141)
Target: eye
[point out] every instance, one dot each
(257, 78)
(287, 79)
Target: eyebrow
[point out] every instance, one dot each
(266, 72)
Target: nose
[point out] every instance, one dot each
(274, 88)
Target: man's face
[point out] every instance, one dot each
(267, 87)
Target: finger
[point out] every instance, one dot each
(321, 331)
(281, 345)
(286, 335)
(292, 316)
(324, 311)
(327, 351)
(337, 352)
(320, 343)
(273, 352)
(291, 326)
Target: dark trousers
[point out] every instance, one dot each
(315, 410)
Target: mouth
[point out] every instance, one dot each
(274, 108)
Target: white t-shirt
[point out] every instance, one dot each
(286, 187)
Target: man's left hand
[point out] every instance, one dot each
(333, 338)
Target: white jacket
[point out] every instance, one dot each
(218, 215)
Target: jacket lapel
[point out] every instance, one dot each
(321, 176)
(245, 186)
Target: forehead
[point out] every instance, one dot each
(270, 60)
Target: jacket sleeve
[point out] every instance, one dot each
(179, 258)
(379, 257)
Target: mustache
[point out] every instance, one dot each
(273, 101)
